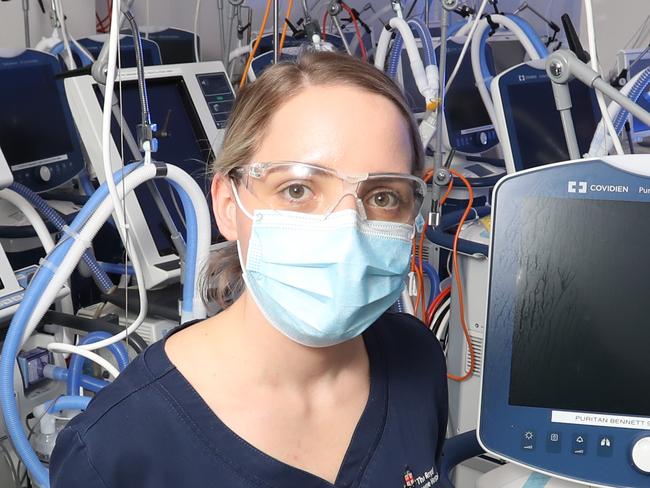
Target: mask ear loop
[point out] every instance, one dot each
(239, 203)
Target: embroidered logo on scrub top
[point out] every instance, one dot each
(425, 480)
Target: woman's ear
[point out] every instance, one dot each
(224, 207)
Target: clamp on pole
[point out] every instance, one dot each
(334, 9)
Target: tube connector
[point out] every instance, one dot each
(397, 8)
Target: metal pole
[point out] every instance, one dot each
(335, 19)
(563, 64)
(444, 23)
(563, 103)
(276, 47)
(333, 10)
(26, 20)
(441, 174)
(99, 67)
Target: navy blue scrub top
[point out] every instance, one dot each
(151, 429)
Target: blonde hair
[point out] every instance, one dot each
(255, 105)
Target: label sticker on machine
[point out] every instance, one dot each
(600, 420)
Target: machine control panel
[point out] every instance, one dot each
(641, 454)
(549, 401)
(219, 96)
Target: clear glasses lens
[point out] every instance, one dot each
(311, 189)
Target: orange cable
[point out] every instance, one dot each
(459, 286)
(286, 24)
(437, 302)
(260, 34)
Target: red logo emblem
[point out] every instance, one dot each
(408, 479)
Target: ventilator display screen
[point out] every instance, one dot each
(181, 141)
(33, 126)
(535, 127)
(582, 317)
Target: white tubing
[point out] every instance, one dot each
(64, 35)
(591, 38)
(32, 216)
(476, 62)
(203, 248)
(47, 43)
(240, 51)
(427, 128)
(426, 80)
(82, 49)
(69, 348)
(107, 115)
(382, 49)
(197, 54)
(601, 145)
(80, 244)
(463, 31)
(468, 41)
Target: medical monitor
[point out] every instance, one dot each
(190, 103)
(530, 127)
(151, 55)
(632, 61)
(37, 133)
(565, 357)
(467, 123)
(176, 45)
(506, 51)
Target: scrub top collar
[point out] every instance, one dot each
(265, 470)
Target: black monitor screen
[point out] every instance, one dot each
(581, 330)
(33, 126)
(535, 127)
(464, 107)
(506, 54)
(184, 145)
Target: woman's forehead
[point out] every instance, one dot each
(341, 127)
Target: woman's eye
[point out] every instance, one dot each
(296, 191)
(384, 199)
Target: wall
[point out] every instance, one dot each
(181, 14)
(80, 14)
(616, 22)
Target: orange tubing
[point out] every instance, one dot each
(459, 286)
(284, 27)
(260, 34)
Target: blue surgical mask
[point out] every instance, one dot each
(322, 281)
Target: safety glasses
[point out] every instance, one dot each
(314, 189)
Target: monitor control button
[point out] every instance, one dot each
(641, 454)
(45, 173)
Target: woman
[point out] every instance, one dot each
(302, 379)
